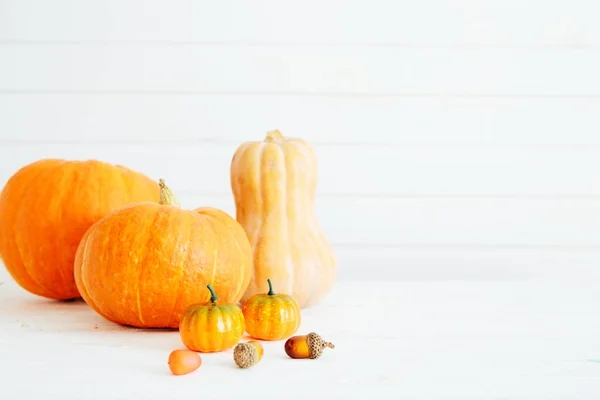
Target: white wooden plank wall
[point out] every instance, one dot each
(457, 139)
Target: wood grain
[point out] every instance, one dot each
(373, 22)
(369, 71)
(361, 170)
(455, 138)
(475, 340)
(435, 120)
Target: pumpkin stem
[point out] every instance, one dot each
(213, 296)
(166, 195)
(271, 292)
(274, 136)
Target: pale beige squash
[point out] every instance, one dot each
(273, 183)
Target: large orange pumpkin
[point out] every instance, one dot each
(143, 265)
(46, 207)
(273, 183)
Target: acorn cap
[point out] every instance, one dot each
(316, 345)
(245, 355)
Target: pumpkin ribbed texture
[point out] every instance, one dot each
(273, 183)
(211, 327)
(143, 265)
(45, 209)
(271, 316)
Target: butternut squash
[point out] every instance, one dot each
(273, 183)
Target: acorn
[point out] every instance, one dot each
(247, 354)
(306, 346)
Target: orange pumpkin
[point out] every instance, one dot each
(271, 316)
(143, 265)
(210, 327)
(46, 207)
(273, 183)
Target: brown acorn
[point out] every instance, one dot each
(247, 354)
(306, 346)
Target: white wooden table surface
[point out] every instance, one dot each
(417, 340)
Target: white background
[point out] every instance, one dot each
(458, 144)
(455, 139)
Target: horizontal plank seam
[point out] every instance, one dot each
(316, 143)
(433, 196)
(192, 92)
(584, 197)
(458, 247)
(574, 45)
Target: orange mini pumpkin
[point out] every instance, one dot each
(271, 316)
(211, 327)
(143, 265)
(46, 207)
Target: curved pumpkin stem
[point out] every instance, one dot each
(271, 292)
(166, 195)
(213, 296)
(274, 136)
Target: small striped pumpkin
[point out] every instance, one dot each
(211, 327)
